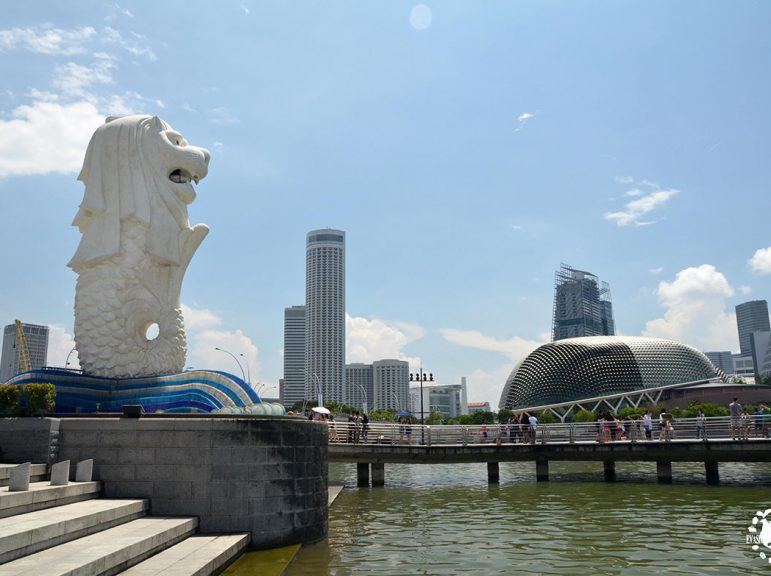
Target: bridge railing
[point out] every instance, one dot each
(387, 433)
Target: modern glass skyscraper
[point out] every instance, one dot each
(582, 305)
(325, 314)
(751, 317)
(294, 356)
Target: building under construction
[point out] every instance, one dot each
(582, 305)
(36, 340)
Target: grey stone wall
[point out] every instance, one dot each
(33, 440)
(262, 475)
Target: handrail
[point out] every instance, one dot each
(750, 426)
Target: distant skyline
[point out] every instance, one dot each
(466, 149)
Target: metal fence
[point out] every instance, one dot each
(679, 430)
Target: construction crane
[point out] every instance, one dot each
(21, 342)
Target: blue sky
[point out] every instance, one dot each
(466, 148)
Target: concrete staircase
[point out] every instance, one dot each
(68, 530)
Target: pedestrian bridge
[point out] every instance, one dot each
(718, 441)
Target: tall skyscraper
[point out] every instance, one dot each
(325, 314)
(358, 381)
(751, 317)
(391, 384)
(582, 305)
(37, 345)
(293, 389)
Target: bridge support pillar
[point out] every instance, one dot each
(542, 470)
(378, 474)
(609, 467)
(493, 474)
(713, 473)
(362, 473)
(664, 472)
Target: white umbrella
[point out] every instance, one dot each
(321, 410)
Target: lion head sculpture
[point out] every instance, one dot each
(135, 247)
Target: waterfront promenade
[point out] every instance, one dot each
(391, 444)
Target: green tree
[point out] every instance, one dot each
(40, 398)
(708, 409)
(9, 400)
(546, 417)
(584, 415)
(483, 416)
(434, 418)
(630, 413)
(504, 414)
(467, 419)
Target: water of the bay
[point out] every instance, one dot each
(445, 519)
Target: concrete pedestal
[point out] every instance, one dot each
(713, 473)
(609, 468)
(542, 470)
(362, 474)
(378, 474)
(493, 473)
(664, 472)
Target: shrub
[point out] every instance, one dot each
(9, 400)
(584, 415)
(707, 408)
(40, 398)
(630, 413)
(546, 417)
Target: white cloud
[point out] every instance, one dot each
(199, 318)
(245, 9)
(524, 117)
(73, 79)
(46, 137)
(60, 344)
(760, 263)
(484, 385)
(745, 290)
(634, 192)
(135, 44)
(623, 179)
(218, 147)
(370, 340)
(656, 271)
(695, 313)
(638, 208)
(47, 40)
(222, 116)
(116, 11)
(516, 227)
(203, 353)
(515, 348)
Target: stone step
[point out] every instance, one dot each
(42, 495)
(38, 473)
(29, 533)
(105, 553)
(201, 555)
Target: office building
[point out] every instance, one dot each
(325, 314)
(37, 346)
(751, 317)
(582, 305)
(760, 343)
(449, 399)
(475, 407)
(391, 385)
(723, 360)
(293, 383)
(358, 381)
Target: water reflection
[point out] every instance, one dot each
(447, 520)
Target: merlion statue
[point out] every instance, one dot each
(136, 245)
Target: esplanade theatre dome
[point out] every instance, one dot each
(577, 368)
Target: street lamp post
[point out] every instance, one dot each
(243, 374)
(67, 362)
(365, 395)
(396, 400)
(317, 380)
(421, 377)
(248, 370)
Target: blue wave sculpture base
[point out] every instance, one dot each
(186, 392)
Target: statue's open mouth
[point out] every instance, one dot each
(181, 176)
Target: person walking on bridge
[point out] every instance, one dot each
(533, 427)
(735, 410)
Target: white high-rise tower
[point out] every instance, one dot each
(325, 315)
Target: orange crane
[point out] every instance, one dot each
(21, 342)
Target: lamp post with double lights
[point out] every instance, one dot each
(243, 374)
(248, 370)
(364, 391)
(421, 377)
